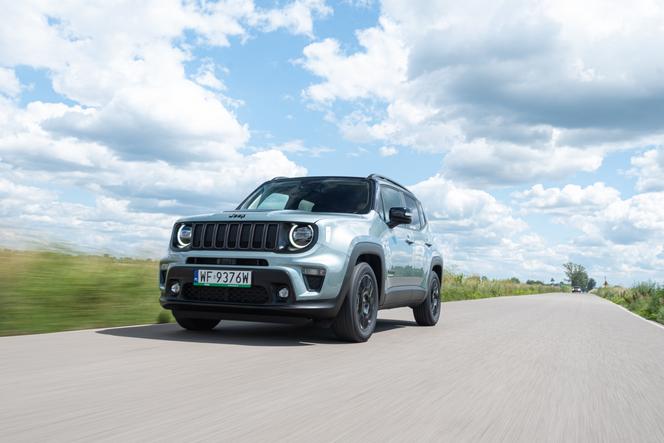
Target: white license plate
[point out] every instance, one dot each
(222, 277)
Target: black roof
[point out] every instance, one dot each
(375, 177)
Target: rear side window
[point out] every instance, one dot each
(414, 208)
(391, 199)
(423, 216)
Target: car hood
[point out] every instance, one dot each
(271, 216)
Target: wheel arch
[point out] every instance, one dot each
(373, 255)
(437, 267)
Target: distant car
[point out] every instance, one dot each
(576, 289)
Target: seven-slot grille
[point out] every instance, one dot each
(230, 236)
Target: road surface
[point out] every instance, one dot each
(555, 367)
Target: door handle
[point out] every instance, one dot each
(409, 240)
(428, 244)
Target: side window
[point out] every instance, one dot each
(411, 204)
(423, 217)
(391, 199)
(380, 207)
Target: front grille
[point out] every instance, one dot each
(234, 236)
(226, 261)
(255, 295)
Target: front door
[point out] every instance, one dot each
(397, 243)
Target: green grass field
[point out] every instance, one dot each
(52, 291)
(47, 291)
(457, 286)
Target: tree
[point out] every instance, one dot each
(591, 284)
(553, 282)
(576, 274)
(515, 280)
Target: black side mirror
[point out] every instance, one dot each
(399, 216)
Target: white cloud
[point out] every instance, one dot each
(571, 199)
(137, 141)
(649, 170)
(523, 79)
(376, 72)
(206, 76)
(296, 16)
(388, 151)
(470, 226)
(9, 84)
(637, 219)
(508, 163)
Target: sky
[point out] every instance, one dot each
(532, 131)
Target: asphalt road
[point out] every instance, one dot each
(556, 367)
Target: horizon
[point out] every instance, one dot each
(532, 132)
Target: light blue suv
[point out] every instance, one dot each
(331, 249)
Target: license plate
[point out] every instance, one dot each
(222, 277)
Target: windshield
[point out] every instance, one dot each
(346, 195)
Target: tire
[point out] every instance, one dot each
(427, 313)
(196, 324)
(356, 320)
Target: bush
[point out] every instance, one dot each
(645, 299)
(456, 286)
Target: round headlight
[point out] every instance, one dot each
(301, 236)
(184, 236)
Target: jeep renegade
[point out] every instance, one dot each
(331, 249)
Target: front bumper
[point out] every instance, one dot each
(260, 302)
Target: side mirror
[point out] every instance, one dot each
(399, 216)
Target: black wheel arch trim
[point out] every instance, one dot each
(364, 248)
(437, 261)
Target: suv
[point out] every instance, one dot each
(331, 249)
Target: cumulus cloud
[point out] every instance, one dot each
(388, 151)
(528, 79)
(637, 219)
(297, 16)
(134, 132)
(570, 199)
(9, 84)
(649, 170)
(471, 226)
(375, 72)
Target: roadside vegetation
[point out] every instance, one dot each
(457, 286)
(50, 291)
(645, 299)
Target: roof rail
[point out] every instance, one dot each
(278, 177)
(382, 177)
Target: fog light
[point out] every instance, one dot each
(314, 271)
(283, 293)
(175, 288)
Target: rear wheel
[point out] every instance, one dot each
(356, 320)
(195, 324)
(427, 313)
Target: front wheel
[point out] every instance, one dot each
(196, 324)
(356, 320)
(427, 313)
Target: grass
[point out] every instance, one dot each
(48, 291)
(457, 286)
(645, 299)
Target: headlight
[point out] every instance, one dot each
(184, 236)
(301, 236)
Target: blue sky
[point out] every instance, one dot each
(531, 130)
